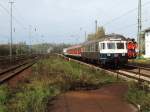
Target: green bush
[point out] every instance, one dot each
(138, 96)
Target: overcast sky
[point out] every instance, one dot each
(66, 20)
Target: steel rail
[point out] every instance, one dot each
(13, 71)
(137, 66)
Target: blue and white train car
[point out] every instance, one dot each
(111, 49)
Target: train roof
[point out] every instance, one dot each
(110, 37)
(75, 46)
(147, 30)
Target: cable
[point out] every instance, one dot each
(16, 20)
(131, 25)
(4, 8)
(19, 15)
(126, 27)
(126, 13)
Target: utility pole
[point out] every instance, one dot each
(11, 29)
(95, 27)
(85, 36)
(139, 26)
(30, 49)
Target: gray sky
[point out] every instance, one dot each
(66, 20)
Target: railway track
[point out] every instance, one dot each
(7, 74)
(134, 75)
(7, 62)
(141, 75)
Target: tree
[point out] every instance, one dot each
(99, 34)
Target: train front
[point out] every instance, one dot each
(114, 52)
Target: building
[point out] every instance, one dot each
(147, 43)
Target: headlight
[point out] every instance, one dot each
(108, 54)
(116, 55)
(123, 54)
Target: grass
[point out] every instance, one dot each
(50, 77)
(140, 61)
(139, 96)
(33, 97)
(3, 98)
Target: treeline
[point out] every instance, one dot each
(23, 48)
(17, 49)
(49, 48)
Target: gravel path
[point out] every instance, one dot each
(107, 99)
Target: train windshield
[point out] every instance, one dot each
(111, 45)
(120, 45)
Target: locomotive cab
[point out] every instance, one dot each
(113, 52)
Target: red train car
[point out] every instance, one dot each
(132, 46)
(74, 51)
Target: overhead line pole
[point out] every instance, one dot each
(85, 36)
(11, 29)
(96, 27)
(30, 43)
(139, 26)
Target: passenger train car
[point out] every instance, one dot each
(74, 51)
(111, 49)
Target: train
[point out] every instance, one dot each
(112, 49)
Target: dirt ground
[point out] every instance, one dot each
(107, 99)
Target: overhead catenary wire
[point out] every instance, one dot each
(124, 14)
(15, 19)
(130, 25)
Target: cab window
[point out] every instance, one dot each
(120, 45)
(111, 45)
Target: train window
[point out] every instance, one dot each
(96, 47)
(88, 48)
(120, 45)
(111, 45)
(93, 47)
(102, 45)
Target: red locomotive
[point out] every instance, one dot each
(132, 46)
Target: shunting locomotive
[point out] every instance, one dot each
(131, 46)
